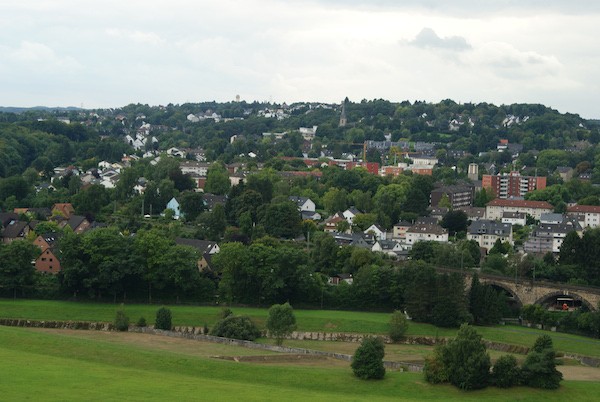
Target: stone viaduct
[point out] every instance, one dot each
(527, 291)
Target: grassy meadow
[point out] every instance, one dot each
(308, 320)
(55, 365)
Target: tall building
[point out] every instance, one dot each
(512, 185)
(458, 196)
(473, 172)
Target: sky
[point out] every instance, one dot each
(100, 54)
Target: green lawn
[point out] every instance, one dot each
(308, 320)
(56, 366)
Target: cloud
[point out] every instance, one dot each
(136, 36)
(427, 38)
(39, 57)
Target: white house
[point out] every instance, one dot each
(514, 218)
(587, 215)
(426, 232)
(378, 231)
(304, 204)
(486, 232)
(350, 213)
(495, 208)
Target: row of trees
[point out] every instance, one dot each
(464, 363)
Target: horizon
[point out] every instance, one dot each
(153, 53)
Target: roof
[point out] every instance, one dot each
(485, 226)
(403, 223)
(589, 209)
(203, 246)
(8, 217)
(298, 200)
(427, 228)
(514, 215)
(565, 227)
(75, 221)
(353, 211)
(498, 202)
(551, 217)
(14, 229)
(477, 212)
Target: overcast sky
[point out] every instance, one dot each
(111, 53)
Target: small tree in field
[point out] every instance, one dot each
(398, 326)
(281, 321)
(506, 372)
(466, 360)
(367, 362)
(121, 321)
(163, 319)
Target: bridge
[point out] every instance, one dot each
(527, 291)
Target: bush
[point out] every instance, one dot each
(398, 326)
(141, 322)
(539, 369)
(506, 372)
(163, 319)
(435, 370)
(367, 362)
(281, 321)
(236, 327)
(121, 321)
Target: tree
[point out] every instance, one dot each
(163, 319)
(282, 220)
(16, 270)
(455, 221)
(217, 180)
(539, 369)
(367, 362)
(192, 204)
(398, 326)
(466, 360)
(281, 321)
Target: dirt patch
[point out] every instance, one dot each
(580, 373)
(330, 325)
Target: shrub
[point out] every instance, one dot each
(163, 319)
(398, 326)
(281, 321)
(205, 329)
(141, 322)
(236, 327)
(539, 369)
(121, 321)
(435, 370)
(367, 362)
(506, 372)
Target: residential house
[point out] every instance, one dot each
(206, 250)
(331, 224)
(174, 206)
(211, 200)
(304, 204)
(587, 215)
(64, 209)
(565, 172)
(399, 230)
(426, 232)
(473, 213)
(389, 247)
(552, 218)
(360, 239)
(79, 224)
(350, 213)
(339, 278)
(548, 237)
(14, 230)
(514, 218)
(48, 261)
(486, 232)
(495, 208)
(378, 231)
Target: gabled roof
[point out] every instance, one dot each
(589, 209)
(427, 228)
(8, 217)
(204, 246)
(498, 202)
(485, 226)
(298, 200)
(14, 229)
(75, 221)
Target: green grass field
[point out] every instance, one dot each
(52, 365)
(308, 320)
